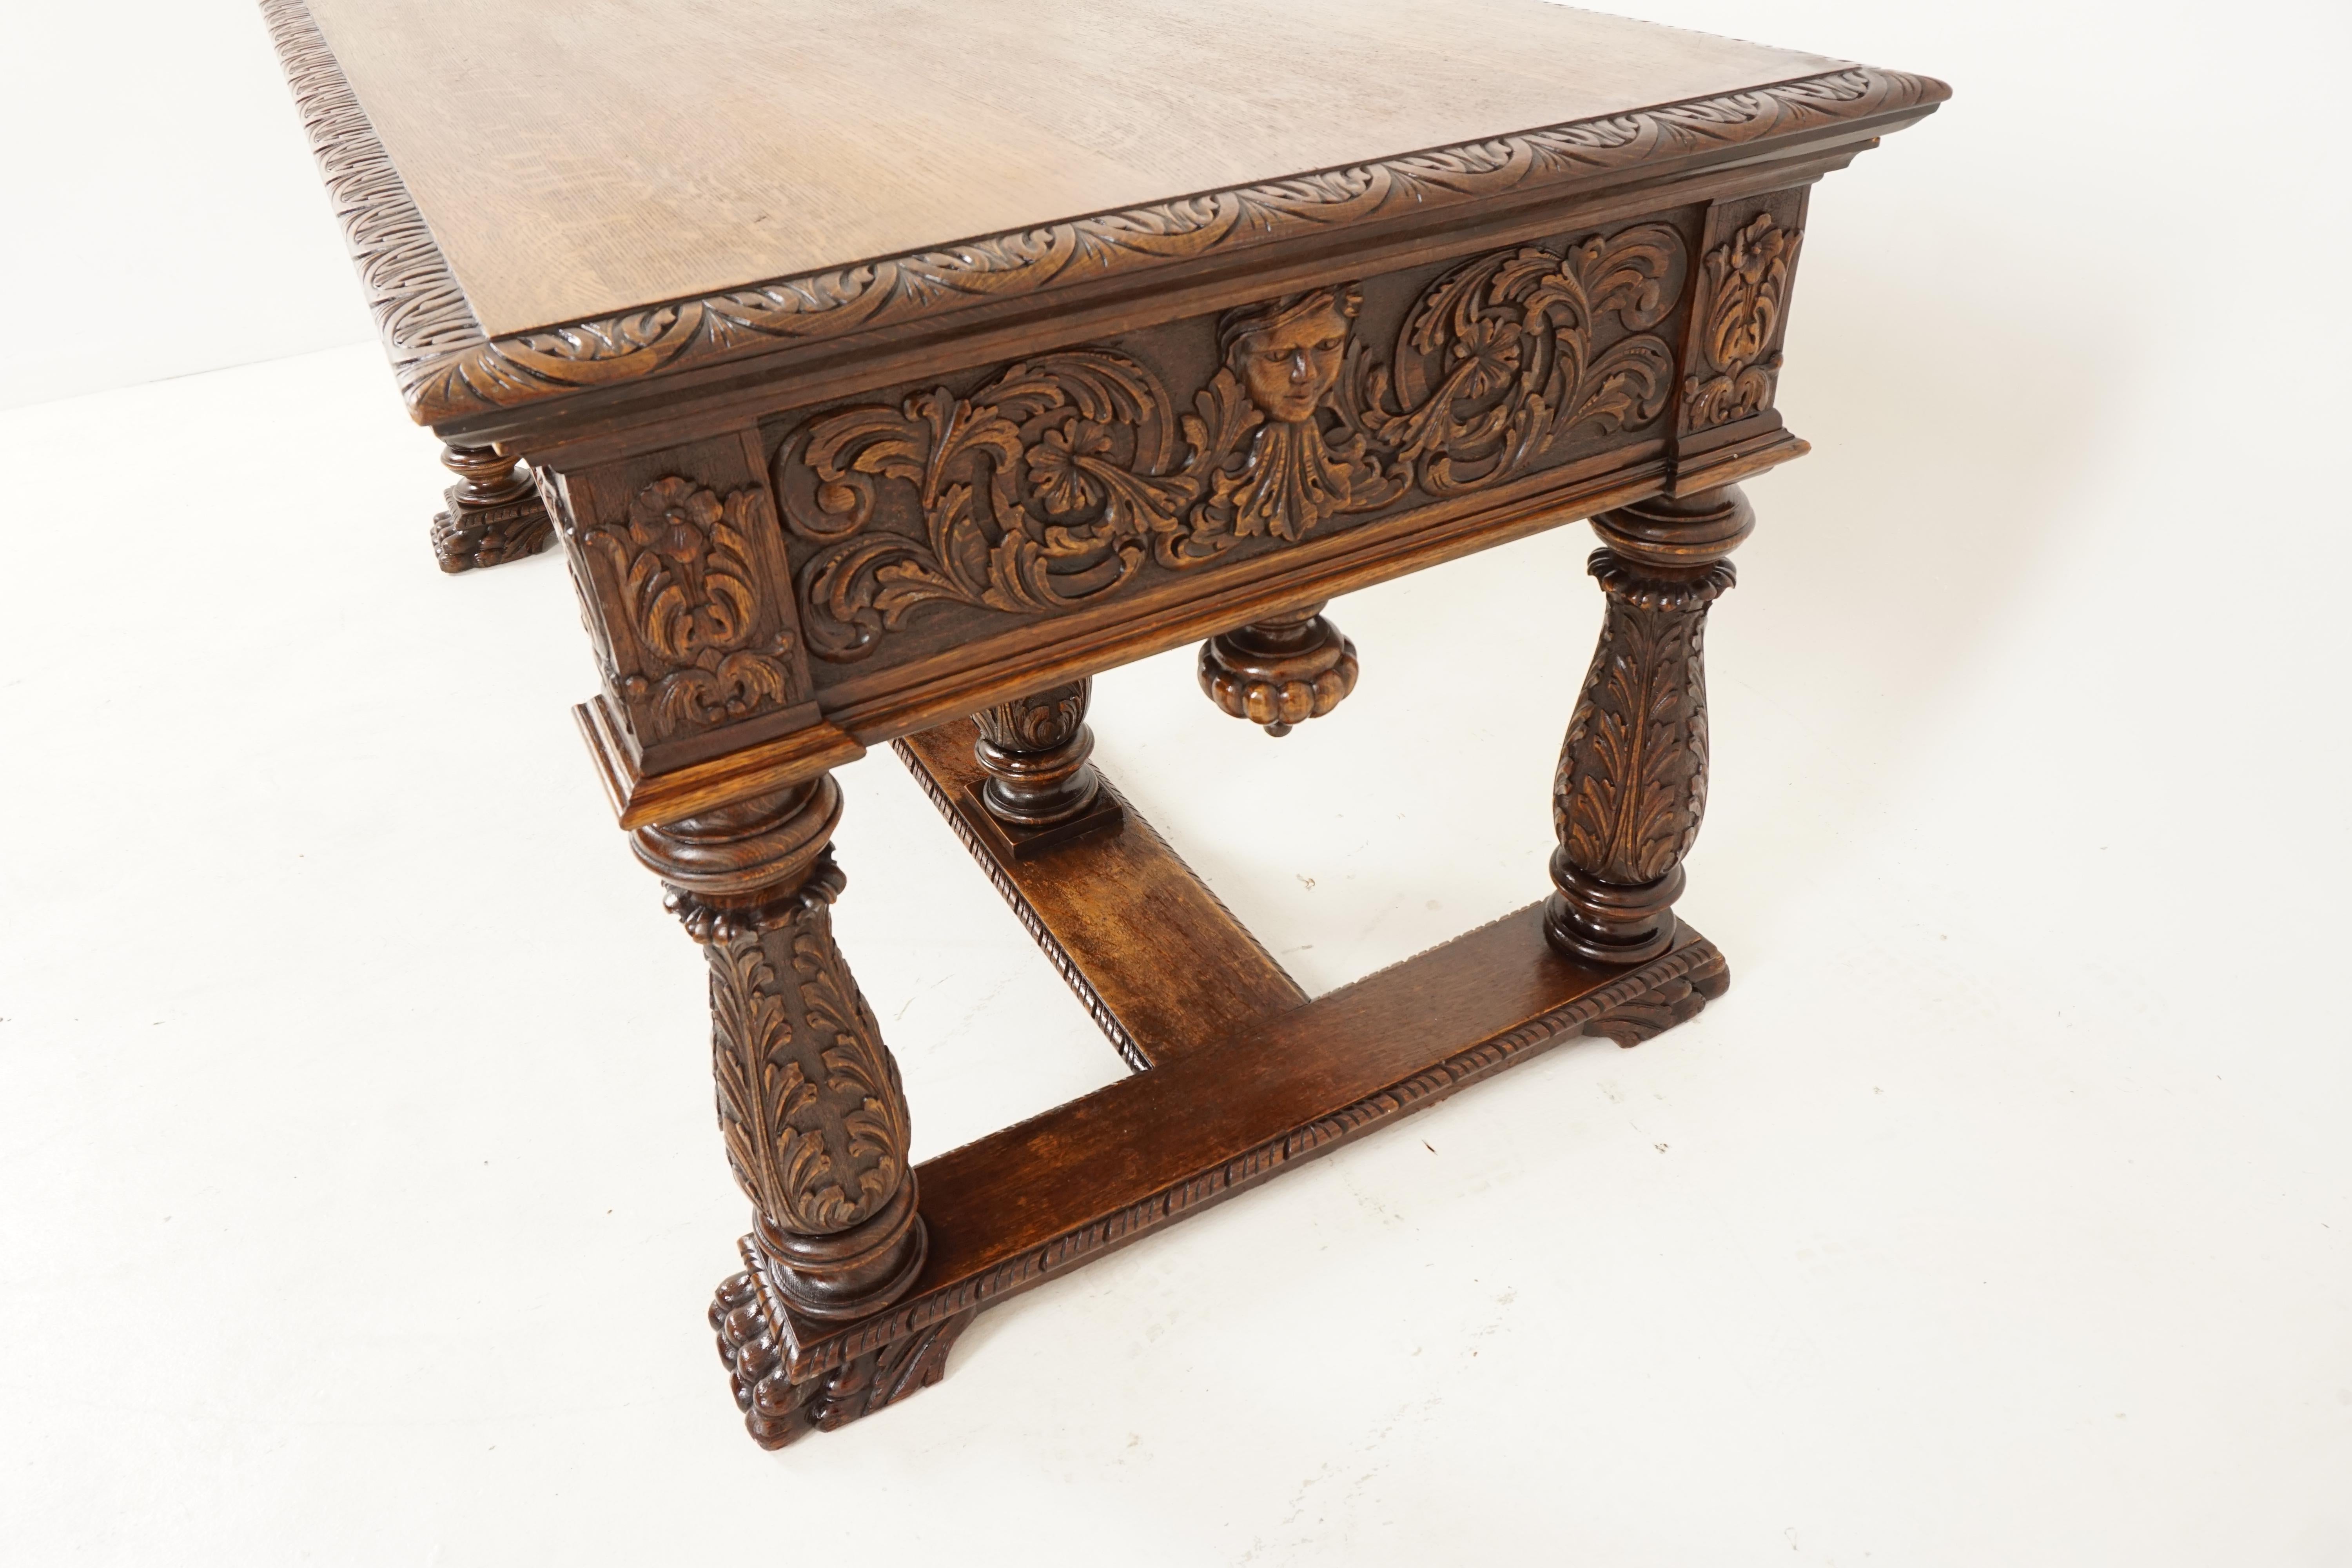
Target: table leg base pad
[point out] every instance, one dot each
(1210, 1116)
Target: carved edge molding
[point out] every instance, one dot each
(420, 311)
(1668, 990)
(1105, 1019)
(449, 368)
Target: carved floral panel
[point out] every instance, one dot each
(682, 593)
(1743, 293)
(1060, 480)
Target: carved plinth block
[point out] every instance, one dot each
(1279, 672)
(493, 515)
(1013, 842)
(777, 1411)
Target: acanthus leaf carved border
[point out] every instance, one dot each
(449, 369)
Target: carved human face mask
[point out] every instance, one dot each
(1292, 364)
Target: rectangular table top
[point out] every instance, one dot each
(577, 158)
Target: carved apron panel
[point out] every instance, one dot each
(1068, 478)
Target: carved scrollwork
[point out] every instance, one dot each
(681, 564)
(1743, 291)
(1046, 487)
(1496, 363)
(809, 1100)
(1669, 1002)
(1035, 493)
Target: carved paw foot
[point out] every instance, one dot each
(1666, 1003)
(777, 1412)
(494, 515)
(1281, 672)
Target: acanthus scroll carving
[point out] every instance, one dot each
(1047, 488)
(1631, 785)
(1496, 363)
(681, 564)
(809, 1100)
(1743, 293)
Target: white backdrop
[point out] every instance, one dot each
(162, 212)
(356, 1160)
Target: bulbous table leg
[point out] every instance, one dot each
(1631, 782)
(810, 1103)
(1281, 671)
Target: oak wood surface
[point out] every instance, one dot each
(578, 157)
(880, 364)
(1131, 927)
(1009, 1209)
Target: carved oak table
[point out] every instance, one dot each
(888, 372)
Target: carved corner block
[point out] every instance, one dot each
(685, 590)
(492, 515)
(1726, 425)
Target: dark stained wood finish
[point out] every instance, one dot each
(1038, 791)
(1088, 1177)
(1632, 784)
(1159, 962)
(814, 1118)
(492, 515)
(945, 356)
(1279, 672)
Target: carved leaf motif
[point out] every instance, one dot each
(861, 1084)
(1743, 290)
(1035, 493)
(809, 1100)
(760, 1082)
(681, 564)
(1632, 773)
(1036, 723)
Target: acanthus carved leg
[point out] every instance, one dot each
(1281, 671)
(494, 513)
(1040, 789)
(810, 1103)
(1632, 784)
